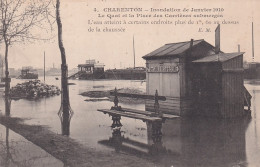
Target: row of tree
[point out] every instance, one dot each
(21, 21)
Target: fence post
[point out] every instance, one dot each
(116, 101)
(156, 104)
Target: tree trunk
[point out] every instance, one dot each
(65, 103)
(7, 82)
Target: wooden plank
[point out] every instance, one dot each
(130, 115)
(132, 95)
(165, 102)
(165, 106)
(238, 70)
(167, 111)
(148, 113)
(151, 108)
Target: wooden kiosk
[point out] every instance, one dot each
(197, 79)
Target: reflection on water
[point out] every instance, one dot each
(65, 117)
(121, 143)
(65, 123)
(65, 113)
(15, 151)
(188, 142)
(7, 106)
(208, 142)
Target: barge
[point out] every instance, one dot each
(93, 70)
(28, 73)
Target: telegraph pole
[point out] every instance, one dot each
(44, 67)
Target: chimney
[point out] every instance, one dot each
(191, 43)
(188, 54)
(217, 39)
(238, 47)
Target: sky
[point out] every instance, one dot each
(115, 50)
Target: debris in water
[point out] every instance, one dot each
(106, 94)
(97, 99)
(99, 86)
(33, 89)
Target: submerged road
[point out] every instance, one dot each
(70, 152)
(16, 151)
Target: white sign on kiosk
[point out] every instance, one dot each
(164, 68)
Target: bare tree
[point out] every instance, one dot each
(65, 112)
(20, 20)
(1, 67)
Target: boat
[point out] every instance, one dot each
(90, 70)
(137, 73)
(28, 73)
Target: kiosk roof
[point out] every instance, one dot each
(221, 57)
(172, 49)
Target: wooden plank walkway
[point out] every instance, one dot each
(130, 115)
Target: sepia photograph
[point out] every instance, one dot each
(134, 83)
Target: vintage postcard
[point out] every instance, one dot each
(129, 83)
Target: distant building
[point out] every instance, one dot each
(252, 70)
(91, 70)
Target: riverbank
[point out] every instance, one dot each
(69, 151)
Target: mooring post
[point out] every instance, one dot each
(116, 98)
(157, 131)
(157, 147)
(116, 121)
(116, 101)
(156, 104)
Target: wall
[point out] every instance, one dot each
(206, 89)
(167, 83)
(218, 88)
(232, 88)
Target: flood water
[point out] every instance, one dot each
(184, 142)
(16, 151)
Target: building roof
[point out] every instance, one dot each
(86, 65)
(221, 57)
(172, 49)
(99, 65)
